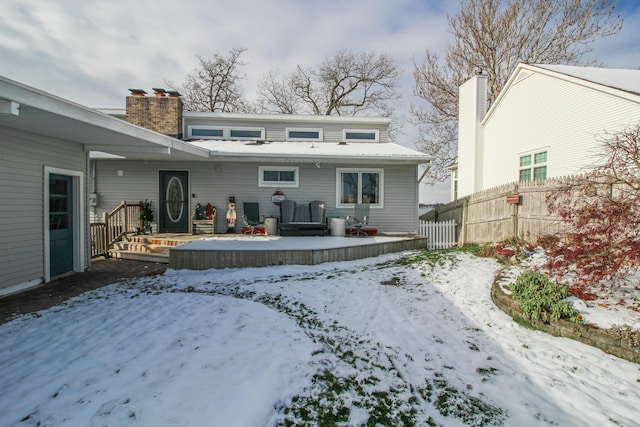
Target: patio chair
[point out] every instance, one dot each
(359, 219)
(251, 217)
(287, 211)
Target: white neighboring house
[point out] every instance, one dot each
(543, 124)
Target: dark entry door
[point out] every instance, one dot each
(174, 207)
(60, 224)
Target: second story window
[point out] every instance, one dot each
(361, 135)
(214, 132)
(533, 166)
(304, 134)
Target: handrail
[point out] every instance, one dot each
(114, 226)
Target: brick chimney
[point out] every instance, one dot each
(161, 113)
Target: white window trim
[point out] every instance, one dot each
(533, 165)
(379, 171)
(279, 184)
(374, 131)
(319, 130)
(226, 132)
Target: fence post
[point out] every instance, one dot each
(463, 230)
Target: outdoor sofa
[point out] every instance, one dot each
(301, 219)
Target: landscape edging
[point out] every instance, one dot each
(620, 343)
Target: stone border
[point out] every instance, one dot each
(618, 342)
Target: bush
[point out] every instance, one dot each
(540, 299)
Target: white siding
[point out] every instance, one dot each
(275, 130)
(212, 182)
(544, 112)
(472, 107)
(22, 160)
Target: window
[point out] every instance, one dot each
(350, 135)
(533, 166)
(304, 134)
(212, 132)
(278, 176)
(359, 186)
(206, 133)
(246, 133)
(454, 179)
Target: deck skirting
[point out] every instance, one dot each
(199, 259)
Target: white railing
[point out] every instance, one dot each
(441, 235)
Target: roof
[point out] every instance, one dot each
(46, 114)
(620, 82)
(310, 152)
(618, 78)
(289, 117)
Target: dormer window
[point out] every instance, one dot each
(361, 135)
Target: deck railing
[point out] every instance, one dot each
(114, 226)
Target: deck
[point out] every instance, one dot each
(261, 251)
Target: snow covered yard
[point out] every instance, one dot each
(409, 339)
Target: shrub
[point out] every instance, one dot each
(540, 299)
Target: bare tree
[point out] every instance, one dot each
(346, 84)
(494, 36)
(215, 84)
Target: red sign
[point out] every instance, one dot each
(514, 198)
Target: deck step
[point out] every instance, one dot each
(142, 247)
(140, 256)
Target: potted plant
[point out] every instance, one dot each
(146, 216)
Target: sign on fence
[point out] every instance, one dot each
(440, 235)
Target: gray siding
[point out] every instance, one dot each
(275, 130)
(22, 161)
(213, 183)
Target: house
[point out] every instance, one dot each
(543, 124)
(44, 163)
(252, 157)
(63, 163)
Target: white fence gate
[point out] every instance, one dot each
(441, 235)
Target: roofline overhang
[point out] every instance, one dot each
(289, 117)
(561, 76)
(302, 158)
(25, 95)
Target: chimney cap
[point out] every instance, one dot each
(159, 91)
(137, 92)
(174, 93)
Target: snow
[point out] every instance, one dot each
(277, 243)
(247, 347)
(313, 150)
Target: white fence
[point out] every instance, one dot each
(441, 235)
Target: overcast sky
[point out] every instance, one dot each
(92, 52)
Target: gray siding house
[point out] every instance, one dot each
(44, 163)
(339, 160)
(63, 164)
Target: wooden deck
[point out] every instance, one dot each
(249, 251)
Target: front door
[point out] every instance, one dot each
(174, 202)
(60, 224)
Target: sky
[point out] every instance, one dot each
(261, 346)
(91, 52)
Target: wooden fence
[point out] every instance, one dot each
(440, 235)
(517, 209)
